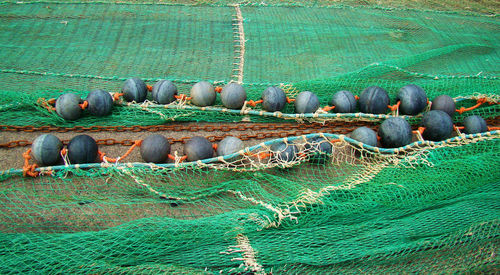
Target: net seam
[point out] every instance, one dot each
(262, 4)
(239, 46)
(249, 255)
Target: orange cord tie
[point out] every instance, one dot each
(479, 103)
(457, 129)
(29, 170)
(182, 97)
(328, 108)
(215, 146)
(172, 157)
(394, 107)
(84, 105)
(218, 89)
(102, 156)
(149, 87)
(116, 96)
(419, 132)
(263, 155)
(254, 103)
(290, 100)
(356, 97)
(493, 128)
(47, 104)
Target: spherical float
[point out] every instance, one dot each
(444, 103)
(155, 148)
(306, 102)
(273, 99)
(197, 148)
(100, 102)
(233, 96)
(365, 135)
(438, 125)
(395, 132)
(46, 150)
(374, 100)
(82, 149)
(67, 106)
(344, 102)
(474, 124)
(413, 100)
(164, 92)
(229, 145)
(203, 94)
(134, 89)
(284, 152)
(320, 149)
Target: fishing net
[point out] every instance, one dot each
(53, 48)
(426, 207)
(353, 208)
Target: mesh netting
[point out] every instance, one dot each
(426, 207)
(358, 207)
(53, 48)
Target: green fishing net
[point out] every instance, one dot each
(428, 207)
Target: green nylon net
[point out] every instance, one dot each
(51, 48)
(428, 207)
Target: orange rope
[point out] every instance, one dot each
(290, 100)
(302, 155)
(328, 108)
(394, 107)
(182, 97)
(183, 158)
(458, 127)
(215, 146)
(218, 89)
(254, 103)
(480, 101)
(493, 128)
(84, 105)
(102, 156)
(263, 155)
(29, 170)
(116, 96)
(356, 97)
(47, 104)
(421, 130)
(149, 87)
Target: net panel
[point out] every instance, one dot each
(354, 208)
(52, 48)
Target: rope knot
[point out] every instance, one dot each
(394, 107)
(29, 169)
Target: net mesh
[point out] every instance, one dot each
(352, 208)
(52, 48)
(427, 207)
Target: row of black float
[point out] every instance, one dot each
(393, 132)
(412, 99)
